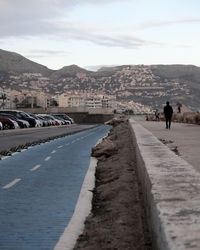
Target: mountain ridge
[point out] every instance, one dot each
(148, 84)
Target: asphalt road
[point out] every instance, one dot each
(16, 137)
(39, 188)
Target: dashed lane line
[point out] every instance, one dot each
(47, 158)
(60, 146)
(12, 183)
(53, 152)
(35, 168)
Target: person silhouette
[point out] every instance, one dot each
(157, 115)
(168, 111)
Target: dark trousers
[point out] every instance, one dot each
(168, 121)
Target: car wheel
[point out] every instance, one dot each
(6, 126)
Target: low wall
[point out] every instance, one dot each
(79, 117)
(171, 189)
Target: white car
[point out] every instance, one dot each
(1, 126)
(15, 123)
(25, 123)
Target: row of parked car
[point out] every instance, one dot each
(12, 119)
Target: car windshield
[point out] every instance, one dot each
(24, 114)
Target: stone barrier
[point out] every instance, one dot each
(171, 189)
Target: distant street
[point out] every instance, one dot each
(16, 137)
(39, 188)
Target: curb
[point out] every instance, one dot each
(171, 189)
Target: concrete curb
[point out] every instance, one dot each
(171, 188)
(75, 227)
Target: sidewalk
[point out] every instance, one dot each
(183, 139)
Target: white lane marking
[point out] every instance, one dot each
(15, 153)
(5, 157)
(12, 183)
(53, 152)
(35, 168)
(73, 141)
(67, 144)
(47, 158)
(60, 146)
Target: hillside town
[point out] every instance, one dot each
(133, 88)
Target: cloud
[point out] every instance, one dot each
(42, 18)
(158, 23)
(44, 53)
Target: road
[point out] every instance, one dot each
(39, 188)
(183, 137)
(16, 137)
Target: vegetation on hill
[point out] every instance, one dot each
(149, 85)
(13, 62)
(71, 70)
(187, 73)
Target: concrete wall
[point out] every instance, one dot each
(171, 189)
(79, 117)
(68, 110)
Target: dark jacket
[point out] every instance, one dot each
(168, 111)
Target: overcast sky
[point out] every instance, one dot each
(90, 33)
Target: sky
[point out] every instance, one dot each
(95, 33)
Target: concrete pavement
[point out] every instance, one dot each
(182, 138)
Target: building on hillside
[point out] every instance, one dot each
(93, 102)
(67, 100)
(30, 99)
(88, 102)
(109, 102)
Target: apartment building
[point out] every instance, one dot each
(89, 101)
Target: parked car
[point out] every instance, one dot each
(65, 122)
(8, 123)
(50, 119)
(40, 122)
(21, 115)
(45, 122)
(21, 123)
(1, 126)
(65, 117)
(60, 120)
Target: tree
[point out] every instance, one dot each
(54, 103)
(3, 97)
(16, 101)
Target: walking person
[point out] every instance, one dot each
(157, 115)
(168, 111)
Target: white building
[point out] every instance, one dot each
(67, 100)
(89, 102)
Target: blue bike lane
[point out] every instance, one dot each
(39, 189)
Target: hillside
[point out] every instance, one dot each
(150, 85)
(69, 71)
(13, 62)
(187, 73)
